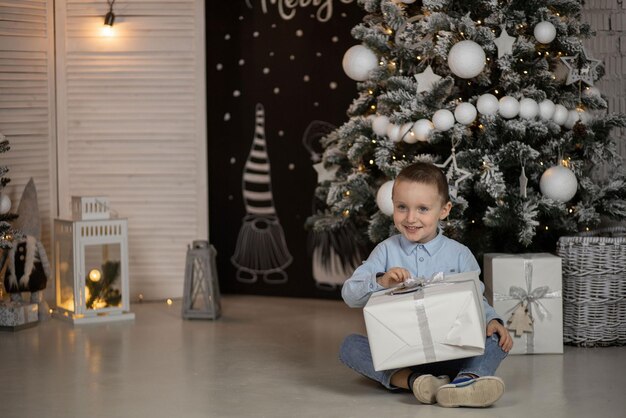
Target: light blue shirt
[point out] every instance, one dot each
(440, 254)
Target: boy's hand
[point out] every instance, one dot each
(506, 342)
(393, 277)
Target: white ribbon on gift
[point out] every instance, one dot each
(417, 285)
(532, 298)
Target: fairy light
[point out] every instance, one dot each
(370, 91)
(525, 72)
(347, 193)
(371, 162)
(496, 91)
(586, 228)
(346, 213)
(373, 141)
(373, 107)
(481, 126)
(169, 302)
(419, 57)
(547, 227)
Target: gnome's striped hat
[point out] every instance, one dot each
(257, 186)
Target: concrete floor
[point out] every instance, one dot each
(266, 357)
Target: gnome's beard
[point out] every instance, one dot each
(261, 245)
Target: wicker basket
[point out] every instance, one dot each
(594, 287)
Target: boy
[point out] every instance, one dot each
(420, 199)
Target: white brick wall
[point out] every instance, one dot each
(608, 19)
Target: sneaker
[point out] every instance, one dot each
(425, 387)
(477, 393)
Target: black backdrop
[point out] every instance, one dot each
(289, 61)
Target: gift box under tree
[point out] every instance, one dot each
(526, 291)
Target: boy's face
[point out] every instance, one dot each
(417, 209)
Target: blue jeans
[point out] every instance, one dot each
(355, 353)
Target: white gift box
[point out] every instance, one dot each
(15, 315)
(441, 320)
(532, 281)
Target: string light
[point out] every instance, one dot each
(371, 162)
(347, 193)
(169, 302)
(546, 227)
(346, 213)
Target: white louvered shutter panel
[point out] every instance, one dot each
(132, 127)
(27, 105)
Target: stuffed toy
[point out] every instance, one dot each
(25, 265)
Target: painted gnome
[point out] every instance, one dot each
(27, 267)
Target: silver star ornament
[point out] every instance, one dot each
(579, 68)
(454, 173)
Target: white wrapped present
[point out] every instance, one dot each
(16, 315)
(525, 290)
(439, 320)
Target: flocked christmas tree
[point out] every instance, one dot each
(500, 94)
(6, 232)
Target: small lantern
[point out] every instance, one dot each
(91, 269)
(201, 295)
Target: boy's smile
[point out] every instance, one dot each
(417, 210)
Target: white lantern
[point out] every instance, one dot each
(546, 109)
(487, 104)
(443, 119)
(560, 114)
(383, 198)
(91, 270)
(422, 129)
(508, 107)
(465, 113)
(380, 124)
(358, 61)
(528, 108)
(545, 32)
(466, 59)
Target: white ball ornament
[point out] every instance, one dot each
(545, 32)
(508, 107)
(572, 118)
(560, 114)
(358, 61)
(546, 109)
(528, 108)
(466, 59)
(393, 132)
(558, 183)
(487, 104)
(422, 129)
(465, 113)
(406, 133)
(383, 198)
(5, 204)
(380, 124)
(443, 119)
